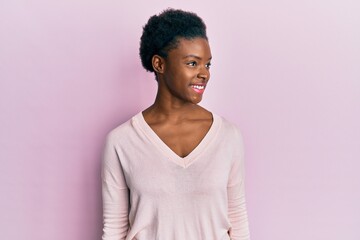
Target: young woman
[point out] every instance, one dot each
(175, 171)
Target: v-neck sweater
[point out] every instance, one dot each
(151, 193)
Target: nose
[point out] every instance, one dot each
(204, 73)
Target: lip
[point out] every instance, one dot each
(197, 90)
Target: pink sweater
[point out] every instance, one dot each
(150, 193)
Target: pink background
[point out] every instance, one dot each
(286, 72)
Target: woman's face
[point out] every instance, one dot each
(186, 69)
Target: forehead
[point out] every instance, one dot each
(197, 46)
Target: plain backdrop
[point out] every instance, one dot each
(286, 72)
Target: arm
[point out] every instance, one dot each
(114, 194)
(236, 196)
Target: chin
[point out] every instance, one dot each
(196, 100)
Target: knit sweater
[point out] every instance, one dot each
(151, 193)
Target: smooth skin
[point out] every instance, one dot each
(175, 116)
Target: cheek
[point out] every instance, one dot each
(183, 76)
(189, 74)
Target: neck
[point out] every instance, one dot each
(171, 107)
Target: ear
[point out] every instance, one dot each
(158, 63)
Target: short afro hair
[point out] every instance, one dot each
(162, 32)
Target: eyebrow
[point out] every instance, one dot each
(194, 56)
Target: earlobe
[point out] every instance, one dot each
(158, 63)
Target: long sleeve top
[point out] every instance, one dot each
(151, 193)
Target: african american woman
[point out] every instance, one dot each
(175, 171)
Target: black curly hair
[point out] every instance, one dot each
(162, 32)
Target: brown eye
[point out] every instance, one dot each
(192, 64)
(208, 65)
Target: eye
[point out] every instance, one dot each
(192, 64)
(208, 65)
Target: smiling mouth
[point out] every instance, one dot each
(198, 88)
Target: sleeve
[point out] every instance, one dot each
(236, 194)
(115, 195)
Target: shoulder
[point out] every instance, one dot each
(228, 125)
(230, 129)
(121, 132)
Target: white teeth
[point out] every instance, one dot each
(198, 86)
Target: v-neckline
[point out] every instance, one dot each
(168, 152)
